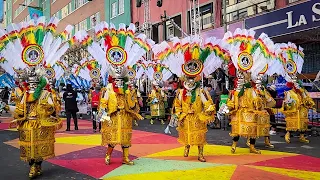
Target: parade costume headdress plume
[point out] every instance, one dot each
(291, 58)
(158, 73)
(190, 56)
(33, 45)
(115, 49)
(248, 54)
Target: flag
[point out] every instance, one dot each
(35, 13)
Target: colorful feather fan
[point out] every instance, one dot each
(33, 44)
(291, 58)
(203, 57)
(249, 54)
(116, 47)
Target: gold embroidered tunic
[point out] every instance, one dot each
(249, 117)
(37, 124)
(296, 108)
(118, 130)
(193, 118)
(157, 109)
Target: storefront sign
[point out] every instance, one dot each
(300, 17)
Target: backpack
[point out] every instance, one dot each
(95, 99)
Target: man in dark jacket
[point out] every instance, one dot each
(5, 95)
(70, 99)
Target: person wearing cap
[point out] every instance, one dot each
(71, 106)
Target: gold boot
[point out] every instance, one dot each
(151, 121)
(248, 142)
(233, 147)
(287, 137)
(254, 150)
(186, 151)
(125, 157)
(267, 142)
(107, 160)
(200, 155)
(162, 122)
(38, 169)
(303, 139)
(136, 123)
(33, 171)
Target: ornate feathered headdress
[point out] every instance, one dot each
(190, 56)
(250, 55)
(291, 58)
(115, 49)
(30, 46)
(158, 73)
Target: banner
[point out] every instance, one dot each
(35, 13)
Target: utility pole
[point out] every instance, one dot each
(194, 17)
(224, 3)
(164, 25)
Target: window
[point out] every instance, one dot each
(243, 13)
(113, 10)
(239, 1)
(83, 25)
(234, 16)
(79, 3)
(65, 11)
(94, 19)
(53, 1)
(292, 1)
(170, 31)
(206, 17)
(121, 6)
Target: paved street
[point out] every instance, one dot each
(159, 156)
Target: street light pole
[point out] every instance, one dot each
(164, 24)
(224, 3)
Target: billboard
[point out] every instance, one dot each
(296, 18)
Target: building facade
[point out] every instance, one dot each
(82, 14)
(294, 25)
(118, 11)
(178, 11)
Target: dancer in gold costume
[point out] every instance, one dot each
(117, 103)
(247, 104)
(135, 72)
(30, 50)
(193, 106)
(297, 101)
(157, 99)
(37, 121)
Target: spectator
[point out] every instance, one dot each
(211, 92)
(94, 100)
(221, 78)
(222, 116)
(71, 107)
(5, 95)
(273, 92)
